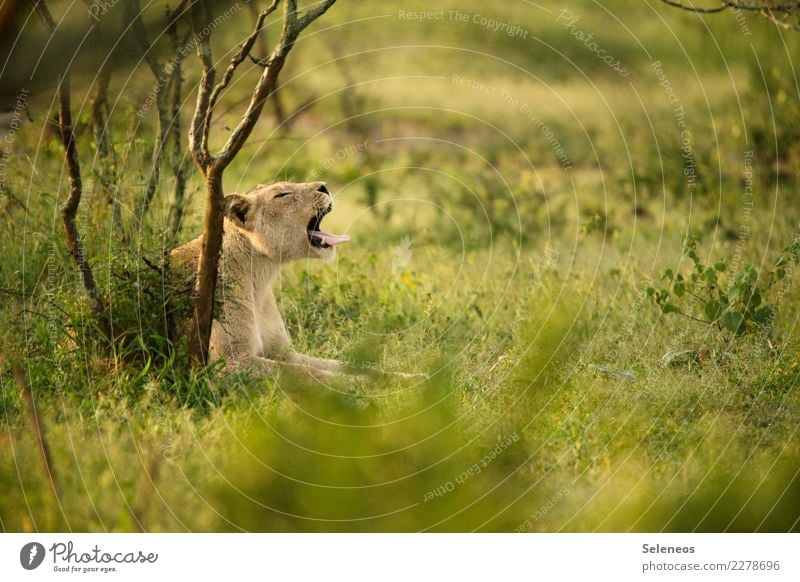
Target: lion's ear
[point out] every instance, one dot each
(237, 209)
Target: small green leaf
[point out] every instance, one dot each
(755, 299)
(712, 310)
(679, 288)
(720, 266)
(669, 308)
(650, 291)
(733, 321)
(666, 273)
(765, 315)
(750, 272)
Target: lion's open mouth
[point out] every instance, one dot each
(320, 239)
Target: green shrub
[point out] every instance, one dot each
(738, 303)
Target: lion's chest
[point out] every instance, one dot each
(254, 323)
(270, 338)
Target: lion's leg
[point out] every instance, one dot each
(337, 367)
(332, 366)
(272, 367)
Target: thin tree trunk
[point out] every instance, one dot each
(105, 144)
(176, 158)
(70, 209)
(208, 267)
(160, 73)
(178, 162)
(158, 153)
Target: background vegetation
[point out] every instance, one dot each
(511, 199)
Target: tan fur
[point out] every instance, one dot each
(263, 231)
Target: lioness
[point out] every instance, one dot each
(264, 229)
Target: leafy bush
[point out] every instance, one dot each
(737, 303)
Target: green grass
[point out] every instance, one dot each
(518, 286)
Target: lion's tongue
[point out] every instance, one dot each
(329, 239)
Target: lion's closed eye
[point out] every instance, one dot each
(282, 194)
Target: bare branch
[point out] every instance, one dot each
(292, 27)
(104, 142)
(44, 15)
(290, 14)
(198, 135)
(263, 62)
(167, 77)
(312, 14)
(276, 98)
(782, 23)
(695, 9)
(241, 54)
(785, 7)
(172, 15)
(140, 34)
(176, 86)
(159, 71)
(765, 9)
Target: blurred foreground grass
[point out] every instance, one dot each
(527, 439)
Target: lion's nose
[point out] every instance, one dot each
(324, 189)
